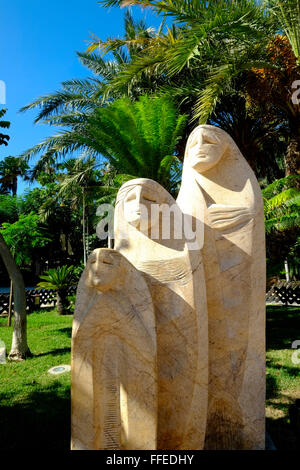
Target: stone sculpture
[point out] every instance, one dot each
(219, 187)
(176, 281)
(114, 372)
(168, 341)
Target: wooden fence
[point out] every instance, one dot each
(284, 292)
(35, 298)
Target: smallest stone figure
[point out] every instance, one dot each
(114, 385)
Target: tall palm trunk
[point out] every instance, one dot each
(83, 227)
(14, 185)
(292, 158)
(87, 234)
(61, 297)
(19, 348)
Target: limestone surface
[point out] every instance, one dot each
(220, 190)
(114, 358)
(168, 339)
(149, 233)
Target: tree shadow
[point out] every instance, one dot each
(282, 434)
(292, 371)
(283, 326)
(65, 331)
(271, 386)
(54, 352)
(280, 429)
(42, 421)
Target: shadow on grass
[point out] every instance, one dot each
(41, 421)
(282, 434)
(271, 386)
(283, 326)
(65, 331)
(291, 371)
(54, 352)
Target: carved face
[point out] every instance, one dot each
(104, 269)
(205, 149)
(141, 207)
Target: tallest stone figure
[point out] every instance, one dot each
(219, 188)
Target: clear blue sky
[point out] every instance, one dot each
(38, 40)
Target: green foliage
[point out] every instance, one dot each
(261, 142)
(282, 204)
(23, 236)
(114, 128)
(4, 138)
(71, 299)
(287, 13)
(8, 208)
(282, 222)
(82, 176)
(280, 185)
(10, 169)
(214, 41)
(136, 138)
(59, 278)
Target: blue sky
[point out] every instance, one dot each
(38, 41)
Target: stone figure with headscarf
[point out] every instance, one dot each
(168, 335)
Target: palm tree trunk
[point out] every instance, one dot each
(87, 234)
(19, 348)
(61, 303)
(292, 158)
(14, 186)
(83, 227)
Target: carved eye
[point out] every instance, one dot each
(149, 198)
(193, 143)
(131, 197)
(93, 261)
(108, 261)
(209, 140)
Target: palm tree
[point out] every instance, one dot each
(282, 205)
(80, 184)
(4, 125)
(10, 169)
(220, 40)
(287, 13)
(261, 141)
(215, 40)
(8, 208)
(60, 279)
(78, 96)
(282, 222)
(271, 91)
(136, 139)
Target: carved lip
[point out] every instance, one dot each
(201, 155)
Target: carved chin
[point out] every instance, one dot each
(135, 221)
(97, 282)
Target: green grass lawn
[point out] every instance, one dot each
(35, 406)
(283, 377)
